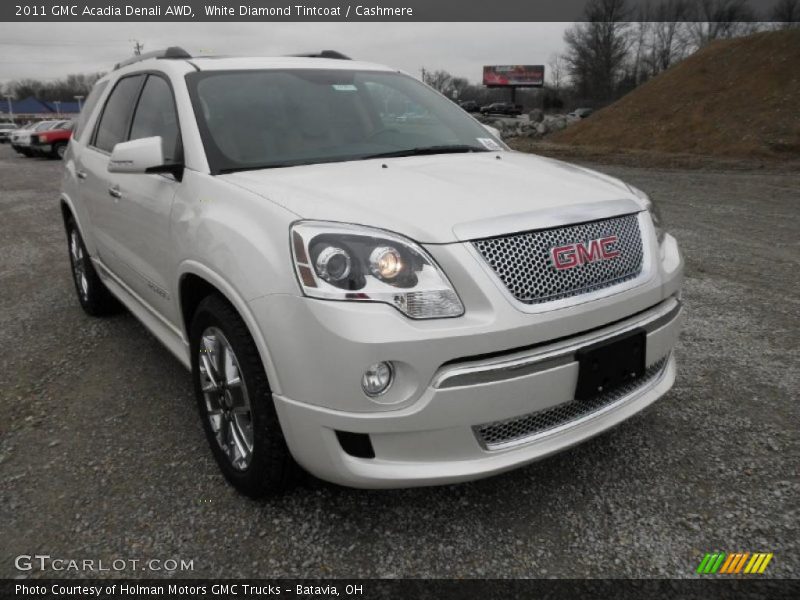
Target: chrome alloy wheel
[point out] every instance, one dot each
(227, 404)
(61, 150)
(78, 259)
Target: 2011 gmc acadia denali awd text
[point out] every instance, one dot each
(362, 278)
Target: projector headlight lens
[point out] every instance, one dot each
(338, 261)
(333, 264)
(385, 263)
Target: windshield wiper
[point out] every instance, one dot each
(422, 150)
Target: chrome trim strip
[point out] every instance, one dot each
(593, 415)
(552, 356)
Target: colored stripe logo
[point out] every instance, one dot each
(733, 563)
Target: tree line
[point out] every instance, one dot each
(63, 90)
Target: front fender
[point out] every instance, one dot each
(229, 291)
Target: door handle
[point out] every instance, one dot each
(114, 192)
(81, 174)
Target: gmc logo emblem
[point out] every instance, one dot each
(580, 253)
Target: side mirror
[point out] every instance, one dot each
(144, 155)
(136, 156)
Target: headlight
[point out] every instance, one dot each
(337, 261)
(652, 208)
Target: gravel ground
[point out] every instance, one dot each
(102, 455)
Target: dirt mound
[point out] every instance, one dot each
(736, 98)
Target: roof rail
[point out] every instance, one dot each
(324, 54)
(171, 52)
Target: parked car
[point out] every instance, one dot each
(501, 108)
(384, 304)
(21, 138)
(581, 113)
(6, 127)
(470, 106)
(52, 143)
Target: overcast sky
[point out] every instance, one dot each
(52, 50)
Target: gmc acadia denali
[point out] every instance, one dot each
(386, 301)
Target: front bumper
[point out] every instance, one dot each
(499, 361)
(435, 441)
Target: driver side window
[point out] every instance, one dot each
(156, 115)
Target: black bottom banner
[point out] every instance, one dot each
(368, 589)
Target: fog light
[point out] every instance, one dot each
(377, 378)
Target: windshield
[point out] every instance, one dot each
(282, 118)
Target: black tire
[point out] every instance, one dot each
(92, 293)
(271, 468)
(58, 150)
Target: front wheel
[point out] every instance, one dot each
(235, 402)
(59, 150)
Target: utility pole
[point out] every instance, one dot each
(423, 74)
(10, 107)
(79, 98)
(137, 47)
(58, 107)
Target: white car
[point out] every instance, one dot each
(6, 128)
(386, 303)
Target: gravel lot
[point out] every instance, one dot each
(102, 455)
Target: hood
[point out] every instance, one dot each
(445, 198)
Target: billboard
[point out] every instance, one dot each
(513, 76)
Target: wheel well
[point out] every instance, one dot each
(192, 290)
(66, 213)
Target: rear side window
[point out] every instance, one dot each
(114, 122)
(156, 115)
(88, 108)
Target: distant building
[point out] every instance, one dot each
(34, 109)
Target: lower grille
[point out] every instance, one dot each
(493, 436)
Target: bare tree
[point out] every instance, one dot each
(557, 71)
(438, 80)
(597, 49)
(669, 41)
(721, 19)
(786, 14)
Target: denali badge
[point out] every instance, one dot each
(580, 253)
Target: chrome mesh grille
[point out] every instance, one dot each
(523, 263)
(493, 436)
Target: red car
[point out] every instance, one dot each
(53, 142)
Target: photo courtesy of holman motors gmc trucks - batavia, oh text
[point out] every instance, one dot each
(364, 280)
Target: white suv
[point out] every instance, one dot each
(386, 301)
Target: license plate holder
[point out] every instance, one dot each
(609, 364)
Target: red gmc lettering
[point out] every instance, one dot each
(580, 253)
